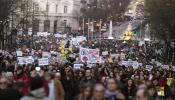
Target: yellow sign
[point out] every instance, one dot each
(169, 81)
(161, 91)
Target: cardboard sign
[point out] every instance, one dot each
(78, 66)
(87, 54)
(43, 61)
(19, 53)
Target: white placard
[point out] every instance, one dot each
(173, 67)
(46, 54)
(95, 60)
(105, 53)
(149, 67)
(166, 67)
(78, 66)
(43, 61)
(29, 60)
(134, 64)
(87, 54)
(19, 53)
(21, 60)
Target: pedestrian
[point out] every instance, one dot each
(113, 92)
(85, 92)
(37, 91)
(99, 92)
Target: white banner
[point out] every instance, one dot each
(134, 64)
(78, 66)
(43, 61)
(77, 40)
(149, 68)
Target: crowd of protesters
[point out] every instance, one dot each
(102, 81)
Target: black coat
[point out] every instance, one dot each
(10, 94)
(129, 93)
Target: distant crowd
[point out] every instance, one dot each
(150, 79)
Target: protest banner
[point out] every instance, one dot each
(94, 53)
(78, 66)
(95, 60)
(77, 40)
(29, 60)
(149, 67)
(43, 61)
(84, 55)
(46, 54)
(134, 64)
(60, 35)
(166, 67)
(19, 53)
(87, 54)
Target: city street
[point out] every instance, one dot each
(87, 50)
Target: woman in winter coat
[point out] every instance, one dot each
(129, 90)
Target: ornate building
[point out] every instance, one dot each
(47, 15)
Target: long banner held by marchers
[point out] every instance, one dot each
(87, 54)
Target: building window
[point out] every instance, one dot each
(47, 26)
(56, 8)
(55, 26)
(65, 9)
(47, 7)
(23, 7)
(35, 25)
(36, 7)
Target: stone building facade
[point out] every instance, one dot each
(57, 15)
(50, 15)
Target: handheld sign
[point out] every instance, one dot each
(19, 53)
(78, 66)
(43, 61)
